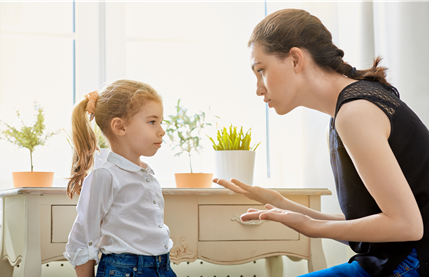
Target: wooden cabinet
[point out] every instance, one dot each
(204, 224)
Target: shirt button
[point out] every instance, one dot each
(165, 246)
(154, 202)
(127, 275)
(147, 179)
(135, 269)
(90, 243)
(160, 226)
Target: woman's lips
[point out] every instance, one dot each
(158, 145)
(268, 101)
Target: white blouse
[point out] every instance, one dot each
(120, 210)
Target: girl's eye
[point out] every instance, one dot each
(152, 122)
(259, 71)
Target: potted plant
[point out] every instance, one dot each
(184, 131)
(234, 157)
(30, 136)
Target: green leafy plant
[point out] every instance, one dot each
(184, 130)
(29, 136)
(230, 139)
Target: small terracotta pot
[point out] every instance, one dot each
(32, 179)
(193, 180)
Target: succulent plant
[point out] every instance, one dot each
(230, 139)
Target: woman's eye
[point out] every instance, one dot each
(152, 122)
(259, 71)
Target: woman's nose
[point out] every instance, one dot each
(260, 90)
(260, 87)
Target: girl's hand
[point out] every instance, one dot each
(296, 221)
(259, 194)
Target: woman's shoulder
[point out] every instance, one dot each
(378, 94)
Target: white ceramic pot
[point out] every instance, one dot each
(237, 164)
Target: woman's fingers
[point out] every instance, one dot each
(269, 206)
(229, 185)
(272, 215)
(241, 184)
(254, 215)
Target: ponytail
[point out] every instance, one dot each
(85, 144)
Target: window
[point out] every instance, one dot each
(194, 51)
(37, 64)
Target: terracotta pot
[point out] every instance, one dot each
(32, 179)
(193, 180)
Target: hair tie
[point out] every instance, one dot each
(90, 107)
(352, 71)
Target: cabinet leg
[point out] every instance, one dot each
(274, 266)
(5, 268)
(32, 260)
(317, 259)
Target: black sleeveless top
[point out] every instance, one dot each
(409, 141)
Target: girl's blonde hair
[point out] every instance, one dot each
(122, 99)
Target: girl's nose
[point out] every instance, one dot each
(162, 133)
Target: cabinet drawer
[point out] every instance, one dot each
(62, 221)
(219, 223)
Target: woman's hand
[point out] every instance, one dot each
(297, 221)
(262, 195)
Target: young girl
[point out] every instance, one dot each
(379, 149)
(121, 207)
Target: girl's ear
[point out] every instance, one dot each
(297, 58)
(117, 126)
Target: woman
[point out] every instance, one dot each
(379, 149)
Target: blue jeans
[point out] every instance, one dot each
(131, 265)
(410, 267)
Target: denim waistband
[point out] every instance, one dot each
(137, 261)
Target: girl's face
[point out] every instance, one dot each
(277, 80)
(144, 132)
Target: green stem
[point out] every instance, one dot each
(190, 163)
(31, 159)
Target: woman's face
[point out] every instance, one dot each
(277, 79)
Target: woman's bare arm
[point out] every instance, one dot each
(364, 130)
(267, 196)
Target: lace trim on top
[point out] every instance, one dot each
(377, 93)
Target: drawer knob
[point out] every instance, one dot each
(250, 222)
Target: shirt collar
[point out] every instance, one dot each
(125, 164)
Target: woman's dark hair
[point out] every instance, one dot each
(284, 29)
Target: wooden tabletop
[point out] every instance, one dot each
(168, 191)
